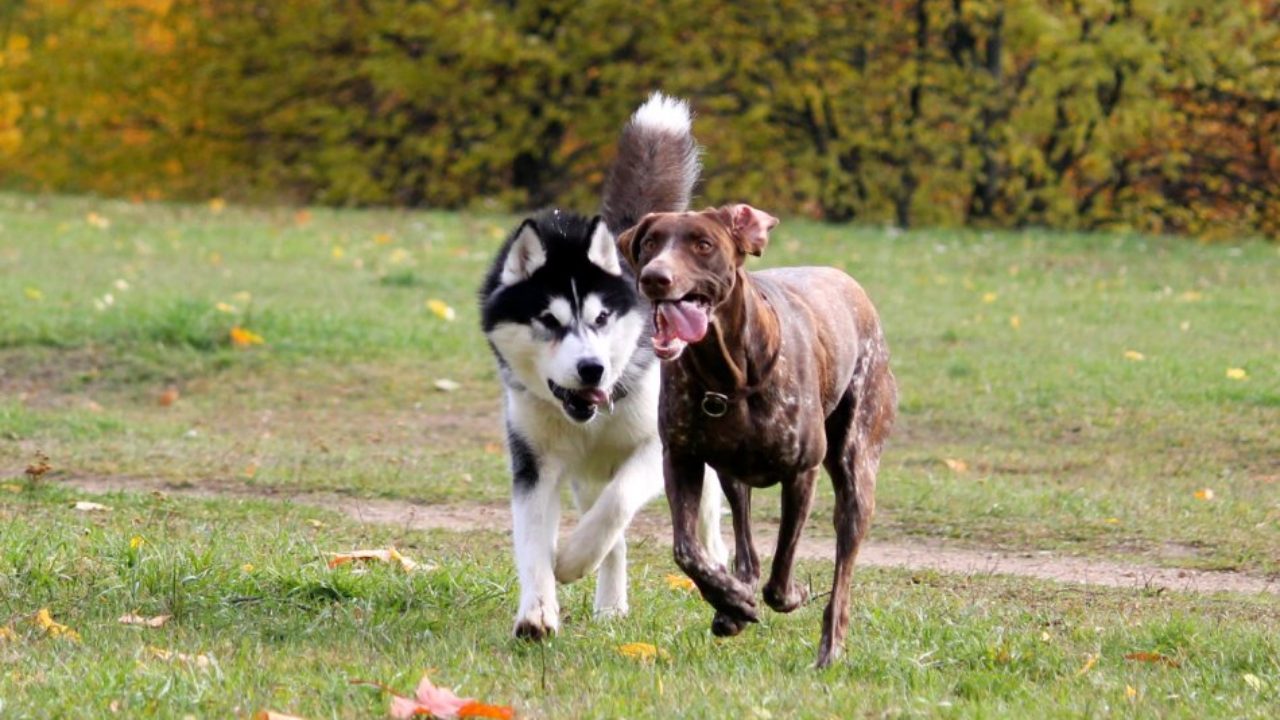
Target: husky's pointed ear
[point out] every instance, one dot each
(629, 240)
(526, 255)
(748, 226)
(602, 251)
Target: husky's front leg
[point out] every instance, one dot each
(601, 528)
(535, 517)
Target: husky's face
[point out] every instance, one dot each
(561, 316)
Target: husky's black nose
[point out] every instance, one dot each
(590, 371)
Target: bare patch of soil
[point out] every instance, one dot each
(652, 526)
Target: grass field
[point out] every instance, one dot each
(1099, 395)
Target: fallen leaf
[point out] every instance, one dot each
(98, 221)
(136, 542)
(243, 338)
(475, 709)
(226, 308)
(250, 470)
(273, 715)
(10, 487)
(337, 252)
(54, 628)
(989, 297)
(641, 651)
(1191, 296)
(1089, 662)
(314, 523)
(438, 702)
(1134, 355)
(1112, 521)
(87, 506)
(151, 622)
(168, 397)
(1130, 692)
(383, 239)
(1204, 494)
(389, 555)
(247, 567)
(956, 465)
(6, 633)
(1185, 325)
(217, 205)
(447, 385)
(1237, 374)
(1152, 657)
(441, 309)
(1250, 679)
(121, 284)
(201, 660)
(302, 217)
(33, 294)
(39, 467)
(1015, 322)
(679, 582)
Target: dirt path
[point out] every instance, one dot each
(651, 525)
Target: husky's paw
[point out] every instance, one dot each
(611, 612)
(784, 600)
(542, 621)
(573, 561)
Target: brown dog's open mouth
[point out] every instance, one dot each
(677, 323)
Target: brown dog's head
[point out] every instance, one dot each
(687, 264)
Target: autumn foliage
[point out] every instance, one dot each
(1156, 115)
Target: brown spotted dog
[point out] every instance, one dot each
(766, 376)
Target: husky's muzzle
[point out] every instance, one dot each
(581, 404)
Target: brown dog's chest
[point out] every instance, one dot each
(768, 437)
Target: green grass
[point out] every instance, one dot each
(1067, 446)
(247, 586)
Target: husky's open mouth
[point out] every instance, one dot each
(676, 323)
(580, 404)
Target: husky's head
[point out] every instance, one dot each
(561, 315)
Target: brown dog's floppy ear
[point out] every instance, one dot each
(628, 241)
(750, 227)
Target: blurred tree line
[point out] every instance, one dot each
(1156, 115)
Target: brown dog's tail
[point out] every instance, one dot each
(656, 167)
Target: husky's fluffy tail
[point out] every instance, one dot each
(656, 167)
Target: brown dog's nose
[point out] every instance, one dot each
(655, 280)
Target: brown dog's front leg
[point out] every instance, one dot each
(746, 564)
(732, 598)
(781, 592)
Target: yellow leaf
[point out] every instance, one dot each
(1112, 521)
(33, 294)
(383, 239)
(86, 506)
(679, 582)
(302, 217)
(1015, 322)
(441, 309)
(1089, 662)
(217, 205)
(1134, 355)
(989, 297)
(243, 297)
(151, 622)
(1204, 494)
(398, 256)
(337, 252)
(10, 487)
(1250, 679)
(98, 221)
(314, 523)
(956, 465)
(243, 338)
(54, 628)
(641, 651)
(247, 567)
(136, 542)
(389, 555)
(6, 633)
(1191, 296)
(201, 660)
(225, 308)
(1130, 692)
(1237, 374)
(1152, 657)
(250, 470)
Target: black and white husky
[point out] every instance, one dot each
(571, 337)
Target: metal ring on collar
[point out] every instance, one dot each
(714, 404)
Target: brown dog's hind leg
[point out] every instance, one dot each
(746, 564)
(781, 592)
(856, 431)
(732, 598)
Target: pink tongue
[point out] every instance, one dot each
(682, 320)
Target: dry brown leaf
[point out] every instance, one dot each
(201, 660)
(956, 465)
(389, 555)
(39, 467)
(1089, 662)
(168, 397)
(151, 622)
(1153, 657)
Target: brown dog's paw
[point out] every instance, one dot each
(784, 601)
(724, 626)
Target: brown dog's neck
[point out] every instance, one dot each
(741, 344)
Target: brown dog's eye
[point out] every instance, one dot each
(703, 245)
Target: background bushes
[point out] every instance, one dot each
(1158, 115)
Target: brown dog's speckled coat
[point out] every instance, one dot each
(801, 356)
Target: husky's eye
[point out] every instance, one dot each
(549, 321)
(603, 318)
